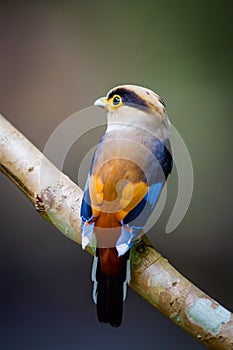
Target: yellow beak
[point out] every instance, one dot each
(101, 102)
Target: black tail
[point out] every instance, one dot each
(110, 285)
(110, 300)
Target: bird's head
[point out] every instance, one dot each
(128, 102)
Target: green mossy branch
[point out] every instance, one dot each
(58, 200)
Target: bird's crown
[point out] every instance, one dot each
(137, 97)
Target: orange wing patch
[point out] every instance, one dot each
(96, 193)
(127, 197)
(132, 194)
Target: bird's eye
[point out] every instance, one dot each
(116, 101)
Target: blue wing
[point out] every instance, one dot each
(138, 216)
(87, 216)
(86, 211)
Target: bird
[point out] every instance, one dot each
(127, 174)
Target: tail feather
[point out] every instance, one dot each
(110, 300)
(110, 289)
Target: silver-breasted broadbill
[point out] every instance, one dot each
(128, 171)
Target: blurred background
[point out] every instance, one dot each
(57, 58)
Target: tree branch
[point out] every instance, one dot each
(58, 200)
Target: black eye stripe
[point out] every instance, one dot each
(128, 97)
